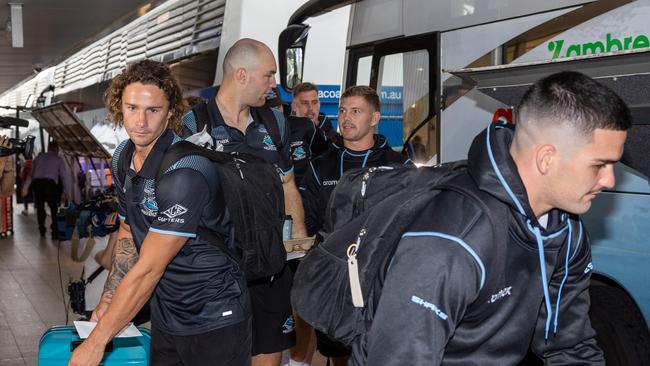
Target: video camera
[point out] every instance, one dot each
(24, 146)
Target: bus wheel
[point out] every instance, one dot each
(621, 331)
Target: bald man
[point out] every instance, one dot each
(507, 264)
(239, 123)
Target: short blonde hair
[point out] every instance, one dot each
(366, 92)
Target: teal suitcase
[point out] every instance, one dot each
(57, 343)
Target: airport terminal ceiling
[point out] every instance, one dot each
(53, 29)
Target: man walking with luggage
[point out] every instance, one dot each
(239, 122)
(502, 263)
(200, 311)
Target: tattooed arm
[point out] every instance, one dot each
(124, 256)
(134, 290)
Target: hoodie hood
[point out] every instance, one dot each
(492, 168)
(380, 143)
(373, 156)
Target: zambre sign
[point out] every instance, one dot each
(560, 50)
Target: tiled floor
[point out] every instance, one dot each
(30, 289)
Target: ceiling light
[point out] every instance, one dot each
(15, 25)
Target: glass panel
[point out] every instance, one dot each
(294, 66)
(363, 70)
(403, 88)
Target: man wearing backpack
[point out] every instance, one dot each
(357, 146)
(200, 308)
(499, 261)
(237, 122)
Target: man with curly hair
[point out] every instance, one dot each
(200, 306)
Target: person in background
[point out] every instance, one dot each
(47, 178)
(306, 140)
(307, 104)
(26, 168)
(7, 176)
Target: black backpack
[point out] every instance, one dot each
(254, 197)
(339, 282)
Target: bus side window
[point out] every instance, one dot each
(403, 88)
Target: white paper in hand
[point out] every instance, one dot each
(84, 329)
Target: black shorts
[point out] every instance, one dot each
(271, 307)
(329, 347)
(230, 345)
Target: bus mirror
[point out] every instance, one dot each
(291, 52)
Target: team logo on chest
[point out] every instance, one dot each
(149, 207)
(297, 151)
(268, 143)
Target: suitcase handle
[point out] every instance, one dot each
(75, 344)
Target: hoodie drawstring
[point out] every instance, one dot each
(566, 274)
(542, 266)
(500, 176)
(365, 159)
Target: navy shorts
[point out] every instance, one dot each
(271, 307)
(227, 346)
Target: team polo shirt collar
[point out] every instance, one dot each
(217, 117)
(152, 162)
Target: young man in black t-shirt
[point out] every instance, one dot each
(200, 308)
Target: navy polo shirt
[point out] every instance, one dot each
(201, 289)
(256, 141)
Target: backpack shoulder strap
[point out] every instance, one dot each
(182, 149)
(202, 117)
(120, 162)
(274, 122)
